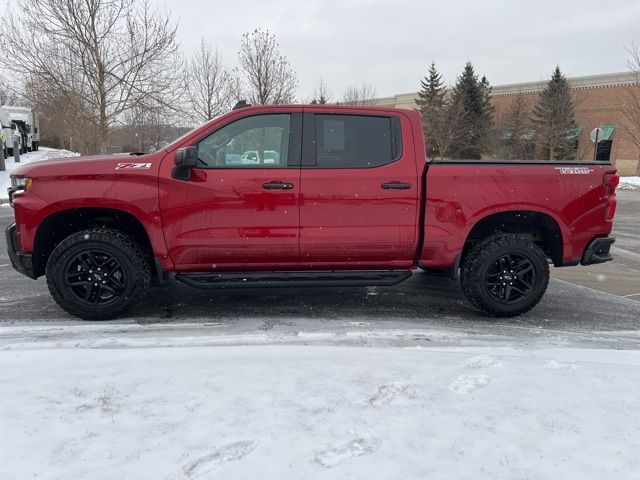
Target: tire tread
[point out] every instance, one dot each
(118, 240)
(470, 277)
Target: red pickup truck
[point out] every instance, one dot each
(304, 195)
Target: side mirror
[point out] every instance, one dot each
(185, 160)
(186, 157)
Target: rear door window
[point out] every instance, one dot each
(353, 141)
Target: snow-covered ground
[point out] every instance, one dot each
(43, 153)
(131, 402)
(629, 183)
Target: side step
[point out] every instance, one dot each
(315, 278)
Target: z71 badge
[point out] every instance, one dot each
(574, 170)
(133, 166)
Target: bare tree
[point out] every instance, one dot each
(65, 119)
(445, 127)
(630, 111)
(111, 55)
(146, 128)
(9, 95)
(516, 131)
(210, 86)
(267, 75)
(362, 95)
(321, 93)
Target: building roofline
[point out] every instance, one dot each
(586, 81)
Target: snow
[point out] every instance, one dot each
(629, 183)
(43, 153)
(104, 401)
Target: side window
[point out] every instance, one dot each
(260, 141)
(353, 141)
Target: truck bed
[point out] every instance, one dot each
(459, 194)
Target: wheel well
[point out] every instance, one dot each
(60, 225)
(536, 226)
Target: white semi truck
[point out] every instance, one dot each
(21, 123)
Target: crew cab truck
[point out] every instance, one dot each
(349, 199)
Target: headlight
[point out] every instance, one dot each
(21, 183)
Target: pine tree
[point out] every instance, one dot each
(474, 97)
(554, 119)
(431, 103)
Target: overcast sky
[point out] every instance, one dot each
(390, 43)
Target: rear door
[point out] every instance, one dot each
(359, 191)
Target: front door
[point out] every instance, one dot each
(240, 207)
(359, 191)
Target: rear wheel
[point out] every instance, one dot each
(505, 275)
(97, 274)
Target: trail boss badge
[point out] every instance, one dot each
(574, 170)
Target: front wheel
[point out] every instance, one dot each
(97, 274)
(505, 275)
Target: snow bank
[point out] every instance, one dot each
(629, 183)
(43, 153)
(292, 412)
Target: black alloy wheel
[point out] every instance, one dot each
(510, 278)
(95, 276)
(98, 274)
(504, 275)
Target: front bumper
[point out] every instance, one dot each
(598, 251)
(22, 262)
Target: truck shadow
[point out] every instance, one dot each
(424, 299)
(420, 296)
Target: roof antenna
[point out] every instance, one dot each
(241, 104)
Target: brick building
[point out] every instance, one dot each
(597, 98)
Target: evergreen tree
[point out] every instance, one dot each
(474, 97)
(431, 103)
(554, 119)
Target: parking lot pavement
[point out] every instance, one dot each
(570, 309)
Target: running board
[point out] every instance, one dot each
(323, 278)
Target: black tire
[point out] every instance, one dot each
(505, 275)
(112, 291)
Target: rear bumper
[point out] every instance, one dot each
(598, 251)
(22, 262)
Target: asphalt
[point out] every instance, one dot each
(599, 304)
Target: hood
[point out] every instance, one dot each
(86, 165)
